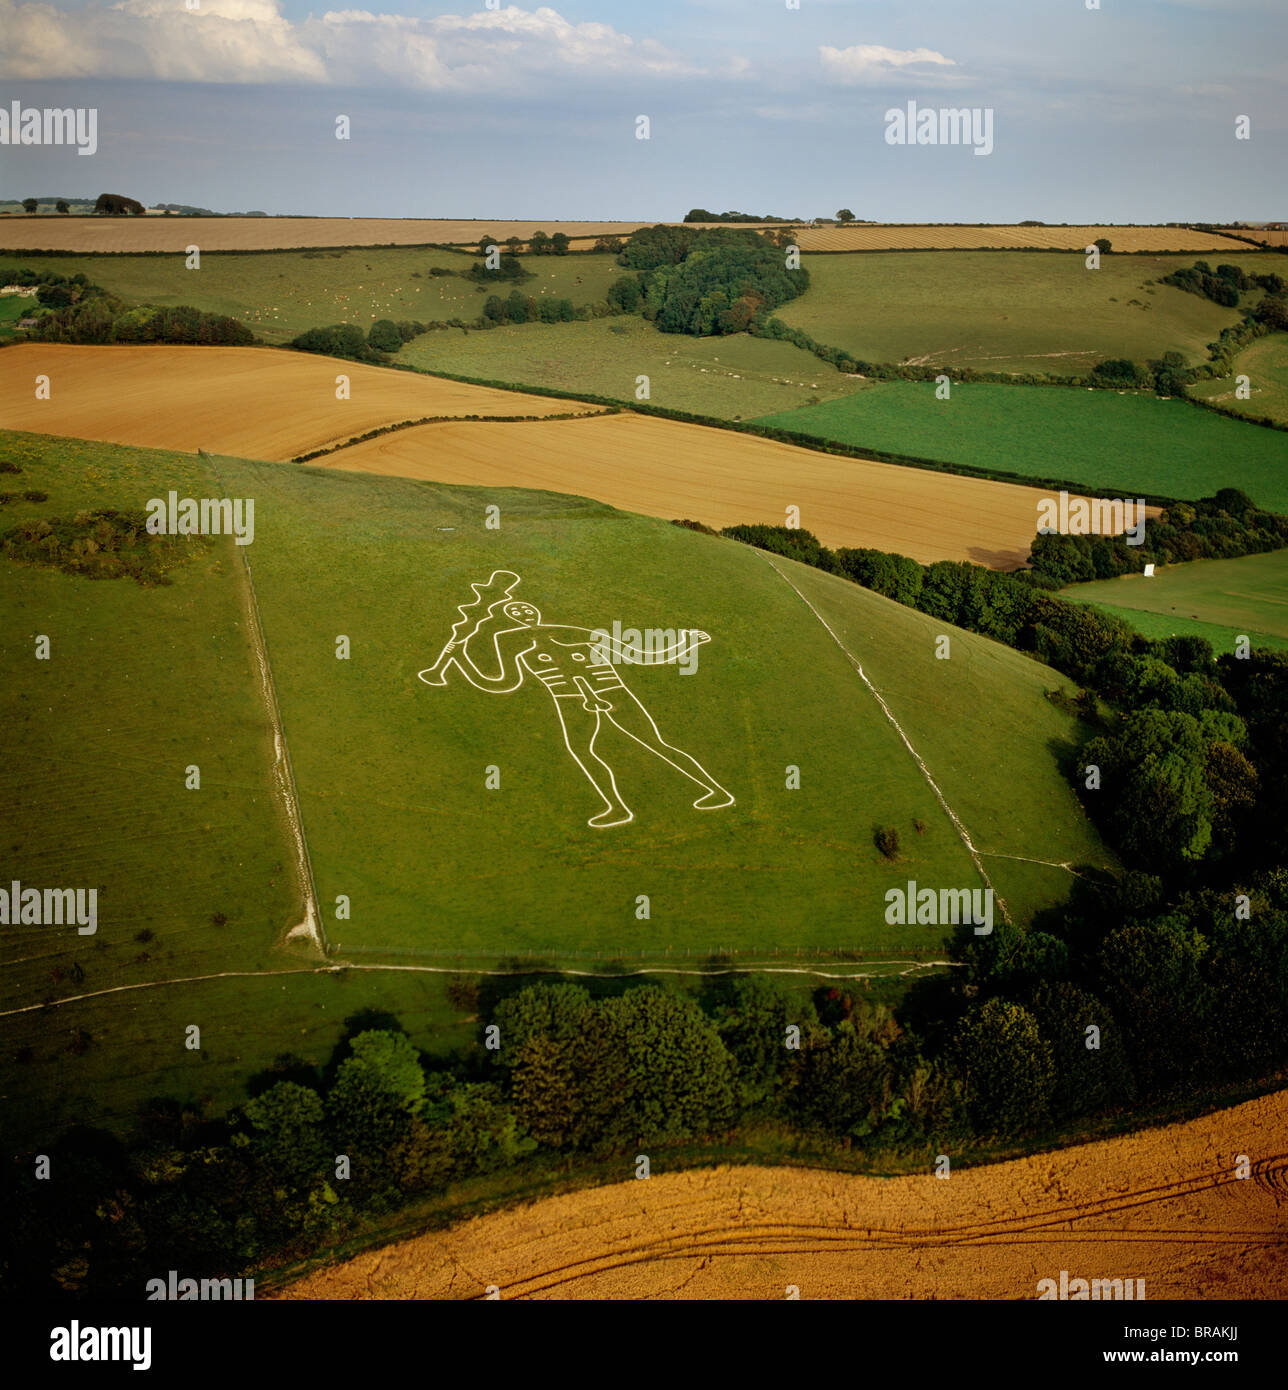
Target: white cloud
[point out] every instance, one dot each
(866, 62)
(247, 41)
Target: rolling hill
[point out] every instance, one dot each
(435, 868)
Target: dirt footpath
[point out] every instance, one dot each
(1164, 1206)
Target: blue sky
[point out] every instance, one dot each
(1126, 113)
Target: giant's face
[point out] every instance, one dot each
(522, 613)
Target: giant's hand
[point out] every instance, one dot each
(437, 673)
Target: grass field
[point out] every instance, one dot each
(141, 684)
(730, 378)
(1096, 439)
(671, 469)
(391, 773)
(887, 237)
(1008, 311)
(281, 295)
(1216, 599)
(1265, 364)
(256, 401)
(12, 308)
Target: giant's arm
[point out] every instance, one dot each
(510, 646)
(638, 656)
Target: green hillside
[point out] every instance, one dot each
(1216, 599)
(1265, 364)
(280, 294)
(732, 378)
(392, 771)
(1099, 439)
(1008, 311)
(437, 868)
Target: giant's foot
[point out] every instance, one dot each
(714, 800)
(613, 815)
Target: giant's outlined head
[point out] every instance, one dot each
(525, 613)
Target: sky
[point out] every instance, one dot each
(1122, 113)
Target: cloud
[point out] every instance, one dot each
(867, 62)
(252, 41)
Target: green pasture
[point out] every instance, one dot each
(733, 378)
(1117, 441)
(1265, 364)
(438, 870)
(140, 685)
(279, 294)
(1009, 311)
(1217, 599)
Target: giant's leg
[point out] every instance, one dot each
(580, 729)
(636, 722)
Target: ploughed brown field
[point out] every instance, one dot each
(675, 470)
(89, 233)
(252, 402)
(1164, 1206)
(915, 238)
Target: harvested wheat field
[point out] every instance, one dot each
(1164, 1206)
(272, 233)
(671, 469)
(253, 402)
(918, 237)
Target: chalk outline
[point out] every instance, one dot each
(470, 626)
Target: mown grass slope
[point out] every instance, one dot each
(438, 870)
(392, 771)
(141, 684)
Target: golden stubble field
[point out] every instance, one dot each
(252, 402)
(264, 403)
(674, 470)
(1164, 1206)
(90, 233)
(917, 238)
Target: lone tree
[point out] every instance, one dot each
(384, 336)
(845, 215)
(886, 839)
(1103, 245)
(113, 204)
(29, 205)
(62, 206)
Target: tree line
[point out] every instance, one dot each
(72, 310)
